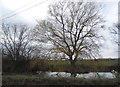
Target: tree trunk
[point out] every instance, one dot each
(73, 68)
(72, 62)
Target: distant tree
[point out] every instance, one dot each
(115, 30)
(72, 27)
(16, 41)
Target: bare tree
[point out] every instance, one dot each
(115, 30)
(16, 41)
(73, 28)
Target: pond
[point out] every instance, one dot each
(78, 75)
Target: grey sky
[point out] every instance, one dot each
(109, 11)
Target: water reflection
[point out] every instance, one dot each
(78, 75)
(96, 75)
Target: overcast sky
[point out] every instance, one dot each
(27, 11)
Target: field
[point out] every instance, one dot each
(37, 80)
(31, 78)
(101, 65)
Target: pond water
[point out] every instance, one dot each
(78, 75)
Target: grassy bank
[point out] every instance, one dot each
(37, 80)
(29, 78)
(103, 65)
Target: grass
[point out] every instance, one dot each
(102, 65)
(61, 66)
(20, 79)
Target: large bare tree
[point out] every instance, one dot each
(73, 29)
(16, 41)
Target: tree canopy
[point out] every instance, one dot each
(73, 28)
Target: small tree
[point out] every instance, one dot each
(72, 28)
